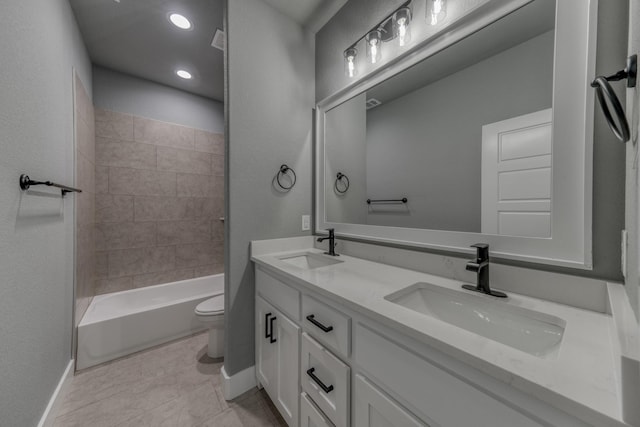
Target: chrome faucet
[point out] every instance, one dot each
(332, 242)
(480, 265)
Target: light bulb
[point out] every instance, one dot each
(401, 20)
(180, 21)
(350, 62)
(436, 11)
(374, 46)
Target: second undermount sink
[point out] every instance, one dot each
(309, 260)
(536, 333)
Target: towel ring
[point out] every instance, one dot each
(339, 179)
(604, 92)
(284, 169)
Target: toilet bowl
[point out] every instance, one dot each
(211, 313)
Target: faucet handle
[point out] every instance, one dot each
(482, 251)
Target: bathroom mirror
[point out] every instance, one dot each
(486, 136)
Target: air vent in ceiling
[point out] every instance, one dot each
(372, 103)
(218, 39)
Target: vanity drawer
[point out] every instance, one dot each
(438, 395)
(327, 324)
(326, 380)
(284, 297)
(310, 416)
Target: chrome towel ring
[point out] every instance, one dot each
(619, 126)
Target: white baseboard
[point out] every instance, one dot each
(49, 415)
(233, 386)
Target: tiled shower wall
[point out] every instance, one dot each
(159, 202)
(85, 201)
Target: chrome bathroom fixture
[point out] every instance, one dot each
(605, 93)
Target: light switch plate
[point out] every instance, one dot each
(306, 221)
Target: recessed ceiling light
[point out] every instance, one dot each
(180, 21)
(184, 74)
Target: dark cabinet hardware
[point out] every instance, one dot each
(272, 339)
(387, 201)
(26, 182)
(326, 389)
(311, 318)
(266, 326)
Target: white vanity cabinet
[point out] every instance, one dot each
(277, 356)
(345, 369)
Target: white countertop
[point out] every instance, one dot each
(580, 380)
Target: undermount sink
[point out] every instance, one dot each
(536, 333)
(309, 261)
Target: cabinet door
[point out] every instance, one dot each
(286, 399)
(374, 409)
(310, 416)
(265, 349)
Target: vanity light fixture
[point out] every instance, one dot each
(184, 74)
(180, 21)
(401, 20)
(436, 11)
(394, 26)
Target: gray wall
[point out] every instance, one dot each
(346, 135)
(434, 135)
(39, 46)
(127, 94)
(270, 96)
(608, 173)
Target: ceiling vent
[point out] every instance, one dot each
(218, 40)
(372, 103)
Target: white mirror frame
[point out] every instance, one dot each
(572, 163)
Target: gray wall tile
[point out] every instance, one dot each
(125, 154)
(110, 124)
(151, 279)
(198, 254)
(128, 262)
(125, 235)
(209, 142)
(114, 208)
(157, 197)
(187, 161)
(141, 182)
(173, 232)
(162, 133)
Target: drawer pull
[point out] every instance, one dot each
(266, 326)
(311, 318)
(271, 337)
(317, 380)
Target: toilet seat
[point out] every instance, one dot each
(211, 307)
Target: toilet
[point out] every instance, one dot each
(211, 313)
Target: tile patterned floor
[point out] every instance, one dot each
(175, 385)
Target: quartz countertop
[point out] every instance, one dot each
(579, 380)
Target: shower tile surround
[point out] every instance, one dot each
(85, 202)
(159, 200)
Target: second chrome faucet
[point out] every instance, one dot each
(480, 265)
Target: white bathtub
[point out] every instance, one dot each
(122, 323)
